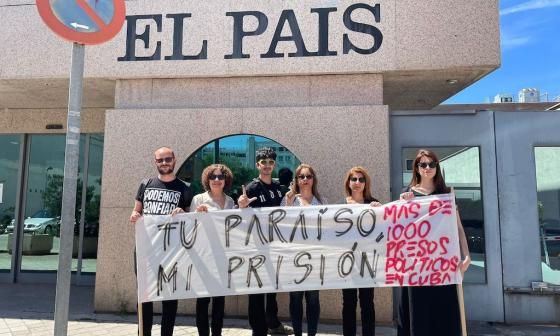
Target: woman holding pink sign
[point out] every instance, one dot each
(431, 310)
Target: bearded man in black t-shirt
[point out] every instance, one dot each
(161, 195)
(264, 192)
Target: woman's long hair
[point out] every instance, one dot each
(439, 183)
(368, 198)
(314, 190)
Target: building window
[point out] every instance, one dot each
(461, 169)
(40, 221)
(547, 162)
(238, 153)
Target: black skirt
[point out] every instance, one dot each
(429, 311)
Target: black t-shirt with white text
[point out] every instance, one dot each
(268, 195)
(161, 198)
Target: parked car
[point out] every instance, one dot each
(41, 222)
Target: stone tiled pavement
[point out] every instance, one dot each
(40, 324)
(28, 310)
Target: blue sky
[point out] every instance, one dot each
(530, 43)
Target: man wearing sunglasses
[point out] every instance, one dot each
(264, 192)
(161, 195)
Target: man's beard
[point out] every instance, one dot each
(166, 170)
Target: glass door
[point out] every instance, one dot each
(10, 177)
(547, 165)
(529, 184)
(43, 202)
(465, 144)
(31, 179)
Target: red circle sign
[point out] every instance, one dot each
(83, 21)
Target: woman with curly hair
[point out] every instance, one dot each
(215, 179)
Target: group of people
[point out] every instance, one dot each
(422, 310)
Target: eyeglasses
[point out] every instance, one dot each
(213, 177)
(424, 165)
(168, 159)
(360, 179)
(269, 162)
(305, 177)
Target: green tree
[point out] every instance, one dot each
(52, 200)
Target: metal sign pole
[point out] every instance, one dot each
(71, 161)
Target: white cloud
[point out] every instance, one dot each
(514, 42)
(511, 39)
(530, 5)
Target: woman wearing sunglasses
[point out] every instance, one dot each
(357, 187)
(303, 192)
(429, 310)
(215, 178)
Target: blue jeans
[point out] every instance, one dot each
(313, 309)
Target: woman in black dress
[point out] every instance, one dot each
(431, 311)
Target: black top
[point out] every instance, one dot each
(419, 194)
(268, 195)
(161, 198)
(373, 199)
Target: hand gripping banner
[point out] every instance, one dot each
(284, 249)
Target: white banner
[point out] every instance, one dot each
(286, 249)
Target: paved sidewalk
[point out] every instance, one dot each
(24, 312)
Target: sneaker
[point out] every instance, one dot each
(281, 330)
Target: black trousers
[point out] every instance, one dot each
(168, 314)
(217, 315)
(263, 313)
(349, 305)
(313, 309)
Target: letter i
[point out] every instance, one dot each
(189, 273)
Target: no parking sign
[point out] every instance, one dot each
(83, 21)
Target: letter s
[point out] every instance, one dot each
(347, 45)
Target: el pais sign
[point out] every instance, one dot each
(278, 34)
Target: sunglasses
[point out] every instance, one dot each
(305, 177)
(424, 165)
(360, 179)
(269, 162)
(168, 159)
(213, 177)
